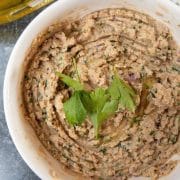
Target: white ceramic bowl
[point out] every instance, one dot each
(21, 132)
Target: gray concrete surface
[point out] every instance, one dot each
(12, 166)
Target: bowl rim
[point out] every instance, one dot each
(8, 117)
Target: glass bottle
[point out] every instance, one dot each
(11, 10)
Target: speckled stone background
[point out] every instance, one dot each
(12, 167)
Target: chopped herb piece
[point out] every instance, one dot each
(173, 139)
(103, 150)
(152, 133)
(136, 120)
(176, 68)
(76, 85)
(46, 83)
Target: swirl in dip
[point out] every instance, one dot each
(143, 52)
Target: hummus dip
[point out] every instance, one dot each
(143, 52)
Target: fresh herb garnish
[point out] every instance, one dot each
(121, 91)
(102, 108)
(74, 109)
(99, 104)
(76, 85)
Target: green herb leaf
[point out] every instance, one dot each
(96, 124)
(108, 110)
(76, 85)
(99, 98)
(74, 109)
(101, 108)
(123, 92)
(114, 90)
(99, 104)
(87, 101)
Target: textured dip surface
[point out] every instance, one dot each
(145, 55)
